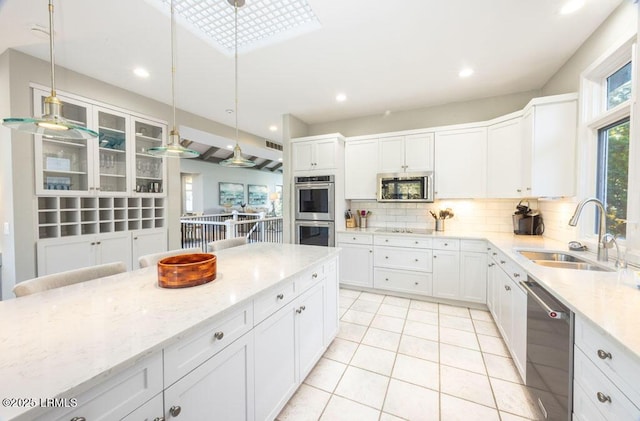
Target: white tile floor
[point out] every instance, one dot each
(401, 359)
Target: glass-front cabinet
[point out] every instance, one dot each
(115, 164)
(149, 169)
(64, 167)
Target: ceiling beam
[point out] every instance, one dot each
(275, 167)
(209, 152)
(264, 164)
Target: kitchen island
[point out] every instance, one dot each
(68, 342)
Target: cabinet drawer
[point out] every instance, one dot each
(402, 258)
(196, 348)
(598, 388)
(479, 246)
(446, 244)
(355, 238)
(405, 281)
(118, 396)
(403, 241)
(271, 301)
(308, 278)
(620, 367)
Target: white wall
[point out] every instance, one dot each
(209, 175)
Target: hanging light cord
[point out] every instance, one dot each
(51, 48)
(173, 68)
(236, 65)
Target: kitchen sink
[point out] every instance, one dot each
(558, 259)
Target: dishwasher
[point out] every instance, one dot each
(549, 372)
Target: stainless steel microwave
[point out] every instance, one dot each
(405, 187)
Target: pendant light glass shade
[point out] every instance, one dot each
(237, 160)
(173, 148)
(51, 123)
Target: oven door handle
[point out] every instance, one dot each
(554, 314)
(314, 185)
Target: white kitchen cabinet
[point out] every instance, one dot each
(446, 274)
(331, 301)
(317, 152)
(356, 259)
(549, 146)
(117, 397)
(461, 163)
(62, 254)
(287, 345)
(504, 159)
(145, 242)
(221, 387)
(103, 166)
(403, 263)
(361, 169)
(410, 153)
(473, 276)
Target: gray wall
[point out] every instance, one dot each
(619, 26)
(440, 115)
(17, 71)
(209, 175)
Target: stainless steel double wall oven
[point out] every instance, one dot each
(315, 210)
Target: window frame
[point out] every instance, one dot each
(595, 116)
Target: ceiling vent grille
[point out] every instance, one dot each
(272, 145)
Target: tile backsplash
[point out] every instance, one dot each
(475, 215)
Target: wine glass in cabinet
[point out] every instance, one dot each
(111, 157)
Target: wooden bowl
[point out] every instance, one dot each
(186, 270)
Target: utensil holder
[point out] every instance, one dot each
(363, 222)
(439, 224)
(351, 222)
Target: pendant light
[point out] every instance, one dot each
(237, 160)
(51, 123)
(173, 148)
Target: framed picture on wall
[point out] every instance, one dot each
(231, 194)
(258, 195)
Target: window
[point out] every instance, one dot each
(619, 86)
(187, 191)
(613, 174)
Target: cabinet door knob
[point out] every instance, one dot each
(175, 410)
(516, 275)
(416, 242)
(507, 288)
(519, 190)
(416, 260)
(301, 309)
(494, 253)
(604, 354)
(99, 242)
(434, 256)
(446, 244)
(417, 283)
(280, 296)
(135, 238)
(603, 398)
(491, 265)
(386, 240)
(386, 257)
(370, 251)
(354, 238)
(314, 275)
(218, 335)
(93, 243)
(502, 262)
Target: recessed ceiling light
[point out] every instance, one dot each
(229, 146)
(571, 6)
(141, 72)
(279, 159)
(466, 72)
(273, 128)
(341, 97)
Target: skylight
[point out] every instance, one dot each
(260, 22)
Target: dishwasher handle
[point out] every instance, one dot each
(554, 314)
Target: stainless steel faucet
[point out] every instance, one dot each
(603, 253)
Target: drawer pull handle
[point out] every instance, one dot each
(507, 288)
(516, 275)
(502, 262)
(280, 296)
(175, 410)
(315, 275)
(491, 265)
(604, 354)
(416, 260)
(301, 309)
(78, 419)
(158, 419)
(494, 253)
(218, 335)
(603, 398)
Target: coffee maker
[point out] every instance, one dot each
(527, 221)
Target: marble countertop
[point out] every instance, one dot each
(607, 299)
(61, 342)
